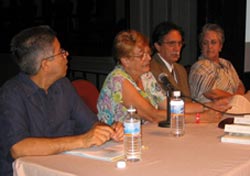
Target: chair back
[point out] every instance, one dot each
(88, 92)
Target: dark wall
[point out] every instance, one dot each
(90, 30)
(86, 30)
(8, 68)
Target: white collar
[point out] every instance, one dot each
(169, 66)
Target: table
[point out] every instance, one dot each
(199, 152)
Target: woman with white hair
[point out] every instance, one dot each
(213, 77)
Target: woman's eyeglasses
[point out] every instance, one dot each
(212, 42)
(141, 56)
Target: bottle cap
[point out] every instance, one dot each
(131, 109)
(121, 164)
(177, 93)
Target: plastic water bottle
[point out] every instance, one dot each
(132, 136)
(177, 114)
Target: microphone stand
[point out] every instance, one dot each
(166, 123)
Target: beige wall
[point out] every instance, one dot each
(247, 57)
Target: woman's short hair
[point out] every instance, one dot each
(125, 42)
(212, 27)
(30, 46)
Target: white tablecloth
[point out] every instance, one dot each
(199, 152)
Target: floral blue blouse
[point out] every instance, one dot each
(110, 102)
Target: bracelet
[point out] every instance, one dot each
(197, 118)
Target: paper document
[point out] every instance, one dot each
(237, 128)
(237, 139)
(245, 120)
(240, 105)
(110, 151)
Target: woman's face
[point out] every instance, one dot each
(211, 46)
(138, 61)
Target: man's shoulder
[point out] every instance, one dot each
(179, 67)
(11, 85)
(155, 58)
(13, 90)
(63, 84)
(156, 64)
(63, 81)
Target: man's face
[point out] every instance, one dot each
(170, 47)
(57, 63)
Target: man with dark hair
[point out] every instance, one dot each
(41, 113)
(167, 42)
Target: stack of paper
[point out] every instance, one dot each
(239, 132)
(110, 151)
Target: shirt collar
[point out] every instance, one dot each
(169, 66)
(31, 87)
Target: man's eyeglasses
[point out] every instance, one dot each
(173, 43)
(62, 52)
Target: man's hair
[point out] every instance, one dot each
(30, 46)
(161, 30)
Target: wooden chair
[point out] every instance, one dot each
(88, 92)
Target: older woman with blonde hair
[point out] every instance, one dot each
(132, 83)
(125, 86)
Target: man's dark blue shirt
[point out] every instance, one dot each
(28, 111)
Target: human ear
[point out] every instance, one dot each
(44, 64)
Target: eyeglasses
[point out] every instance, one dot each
(62, 52)
(173, 43)
(212, 42)
(142, 56)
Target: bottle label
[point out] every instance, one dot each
(177, 107)
(132, 128)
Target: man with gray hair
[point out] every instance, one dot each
(41, 113)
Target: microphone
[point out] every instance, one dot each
(163, 78)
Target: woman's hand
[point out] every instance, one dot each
(215, 94)
(221, 104)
